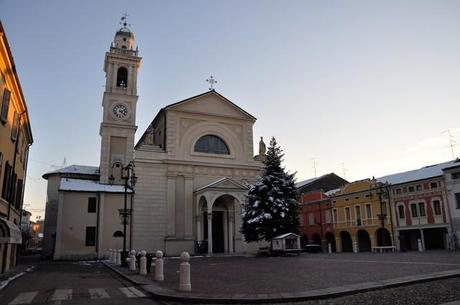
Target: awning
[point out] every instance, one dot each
(9, 232)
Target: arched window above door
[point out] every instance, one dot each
(211, 144)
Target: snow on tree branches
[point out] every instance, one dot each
(271, 205)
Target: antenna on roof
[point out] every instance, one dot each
(344, 170)
(314, 166)
(451, 142)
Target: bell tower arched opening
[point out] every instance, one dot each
(122, 77)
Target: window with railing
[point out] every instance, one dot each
(421, 206)
(368, 211)
(437, 207)
(347, 214)
(413, 209)
(358, 215)
(401, 211)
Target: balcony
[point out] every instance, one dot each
(361, 222)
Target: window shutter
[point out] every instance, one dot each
(5, 105)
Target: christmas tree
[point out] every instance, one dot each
(271, 206)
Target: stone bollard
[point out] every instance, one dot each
(419, 243)
(184, 273)
(118, 255)
(159, 276)
(132, 260)
(329, 248)
(355, 247)
(143, 263)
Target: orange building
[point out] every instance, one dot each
(15, 139)
(361, 217)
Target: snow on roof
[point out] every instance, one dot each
(286, 235)
(418, 174)
(305, 182)
(75, 169)
(332, 192)
(81, 185)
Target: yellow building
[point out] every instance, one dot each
(15, 140)
(357, 214)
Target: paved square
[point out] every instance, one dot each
(268, 275)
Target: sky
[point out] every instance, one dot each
(359, 88)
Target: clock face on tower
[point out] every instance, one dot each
(120, 111)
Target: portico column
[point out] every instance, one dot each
(225, 220)
(209, 232)
(338, 244)
(231, 219)
(422, 237)
(199, 237)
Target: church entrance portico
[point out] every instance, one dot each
(218, 211)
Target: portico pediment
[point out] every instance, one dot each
(225, 184)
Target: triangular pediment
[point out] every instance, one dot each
(211, 103)
(223, 184)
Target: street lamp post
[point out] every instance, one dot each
(130, 179)
(380, 190)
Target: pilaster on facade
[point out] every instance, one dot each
(188, 213)
(171, 204)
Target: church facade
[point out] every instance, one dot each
(193, 166)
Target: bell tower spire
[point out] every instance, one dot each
(118, 124)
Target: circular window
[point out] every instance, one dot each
(124, 39)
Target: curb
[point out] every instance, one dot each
(126, 277)
(326, 293)
(6, 282)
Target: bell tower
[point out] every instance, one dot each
(119, 104)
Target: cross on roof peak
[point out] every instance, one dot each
(211, 80)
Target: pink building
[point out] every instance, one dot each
(420, 208)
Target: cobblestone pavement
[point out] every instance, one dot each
(262, 275)
(430, 293)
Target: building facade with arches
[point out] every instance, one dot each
(193, 165)
(361, 217)
(421, 208)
